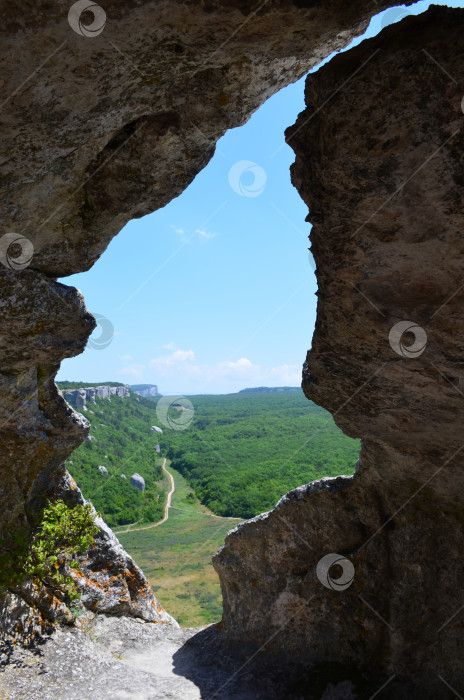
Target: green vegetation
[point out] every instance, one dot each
(84, 385)
(122, 442)
(61, 535)
(176, 557)
(242, 452)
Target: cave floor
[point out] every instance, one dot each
(118, 658)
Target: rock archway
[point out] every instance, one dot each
(104, 128)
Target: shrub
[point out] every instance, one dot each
(61, 535)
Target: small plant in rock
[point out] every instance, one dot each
(61, 535)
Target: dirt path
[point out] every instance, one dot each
(166, 507)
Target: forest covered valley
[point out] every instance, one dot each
(238, 454)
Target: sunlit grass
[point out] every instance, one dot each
(176, 557)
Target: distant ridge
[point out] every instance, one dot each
(270, 388)
(85, 385)
(145, 389)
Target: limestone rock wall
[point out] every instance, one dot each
(379, 164)
(78, 398)
(98, 129)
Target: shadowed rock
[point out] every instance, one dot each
(379, 164)
(138, 482)
(98, 131)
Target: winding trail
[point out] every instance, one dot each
(166, 507)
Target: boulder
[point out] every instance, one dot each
(138, 482)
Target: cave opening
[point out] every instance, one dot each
(234, 230)
(250, 182)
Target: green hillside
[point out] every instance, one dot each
(240, 454)
(123, 443)
(85, 385)
(243, 451)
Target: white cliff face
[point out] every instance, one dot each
(78, 398)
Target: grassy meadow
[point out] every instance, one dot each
(176, 557)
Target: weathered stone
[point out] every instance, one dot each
(122, 391)
(379, 164)
(103, 392)
(146, 390)
(78, 398)
(103, 469)
(101, 130)
(138, 482)
(90, 393)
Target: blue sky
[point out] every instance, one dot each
(215, 292)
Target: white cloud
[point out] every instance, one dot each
(126, 358)
(133, 370)
(205, 235)
(178, 357)
(187, 236)
(180, 369)
(240, 367)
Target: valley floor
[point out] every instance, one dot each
(176, 557)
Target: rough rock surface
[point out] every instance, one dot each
(138, 482)
(96, 131)
(78, 398)
(108, 658)
(379, 164)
